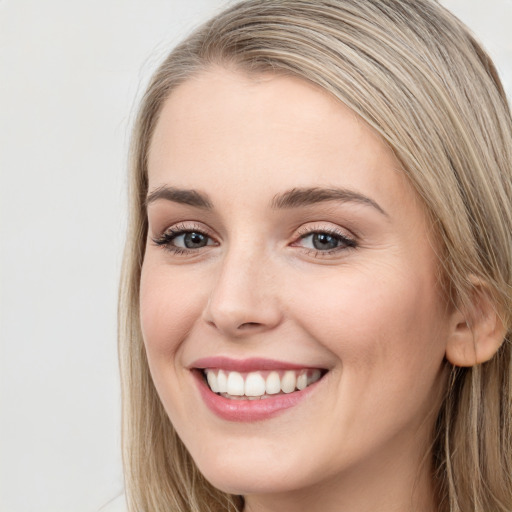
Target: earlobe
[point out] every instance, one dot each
(477, 330)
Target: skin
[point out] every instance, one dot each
(373, 315)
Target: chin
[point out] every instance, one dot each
(255, 472)
(251, 481)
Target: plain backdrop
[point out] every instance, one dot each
(70, 76)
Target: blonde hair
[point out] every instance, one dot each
(415, 74)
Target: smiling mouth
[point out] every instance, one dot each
(259, 385)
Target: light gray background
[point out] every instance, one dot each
(69, 75)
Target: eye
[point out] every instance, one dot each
(190, 240)
(325, 241)
(181, 239)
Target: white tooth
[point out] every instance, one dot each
(288, 382)
(254, 384)
(235, 384)
(315, 375)
(212, 381)
(222, 382)
(273, 383)
(302, 381)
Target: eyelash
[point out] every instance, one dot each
(166, 239)
(345, 241)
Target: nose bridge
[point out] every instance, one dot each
(243, 298)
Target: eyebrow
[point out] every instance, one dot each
(294, 198)
(298, 197)
(178, 195)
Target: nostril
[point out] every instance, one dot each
(249, 325)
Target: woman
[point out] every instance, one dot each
(315, 307)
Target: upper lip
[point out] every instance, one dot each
(246, 365)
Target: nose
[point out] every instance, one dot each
(244, 298)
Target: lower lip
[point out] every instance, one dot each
(249, 410)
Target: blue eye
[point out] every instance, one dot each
(191, 240)
(326, 241)
(181, 240)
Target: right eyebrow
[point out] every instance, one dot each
(300, 197)
(179, 195)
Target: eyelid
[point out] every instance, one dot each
(165, 237)
(329, 228)
(348, 239)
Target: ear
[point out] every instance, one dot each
(476, 329)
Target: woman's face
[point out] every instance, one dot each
(285, 245)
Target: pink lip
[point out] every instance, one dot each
(249, 410)
(244, 365)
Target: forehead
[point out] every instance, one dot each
(267, 132)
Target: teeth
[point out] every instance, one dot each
(212, 382)
(315, 375)
(273, 383)
(235, 384)
(302, 381)
(288, 382)
(222, 382)
(256, 385)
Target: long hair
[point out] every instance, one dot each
(417, 76)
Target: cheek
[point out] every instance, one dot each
(386, 333)
(168, 310)
(390, 326)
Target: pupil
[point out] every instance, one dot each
(194, 240)
(323, 241)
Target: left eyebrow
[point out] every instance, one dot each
(298, 197)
